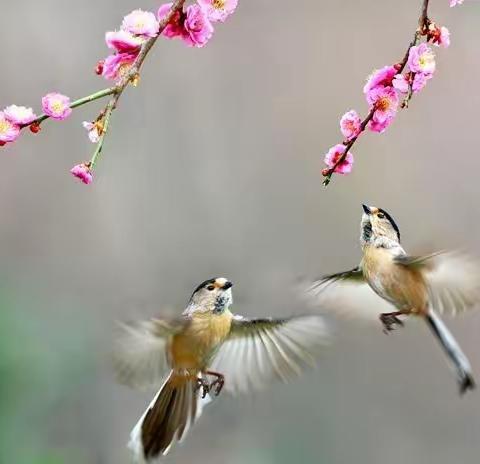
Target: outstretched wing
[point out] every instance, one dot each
(140, 355)
(453, 280)
(348, 295)
(259, 351)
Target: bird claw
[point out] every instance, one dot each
(204, 385)
(390, 322)
(217, 385)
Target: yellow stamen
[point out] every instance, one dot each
(218, 4)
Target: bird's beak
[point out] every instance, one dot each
(367, 209)
(227, 285)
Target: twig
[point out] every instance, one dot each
(422, 25)
(132, 76)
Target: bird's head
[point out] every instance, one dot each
(213, 295)
(378, 224)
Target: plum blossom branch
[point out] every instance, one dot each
(383, 88)
(131, 44)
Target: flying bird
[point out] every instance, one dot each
(389, 284)
(205, 350)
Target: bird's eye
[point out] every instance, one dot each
(381, 215)
(211, 287)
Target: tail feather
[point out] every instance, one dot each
(176, 406)
(453, 351)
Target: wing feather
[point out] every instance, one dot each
(453, 279)
(139, 357)
(348, 295)
(259, 351)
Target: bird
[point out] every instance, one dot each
(390, 285)
(205, 350)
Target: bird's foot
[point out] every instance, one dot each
(204, 385)
(391, 321)
(218, 383)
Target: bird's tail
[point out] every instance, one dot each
(453, 351)
(176, 406)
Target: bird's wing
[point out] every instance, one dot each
(348, 295)
(259, 351)
(140, 355)
(453, 279)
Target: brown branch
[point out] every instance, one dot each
(131, 77)
(423, 23)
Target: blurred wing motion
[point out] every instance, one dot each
(261, 350)
(348, 295)
(453, 280)
(140, 356)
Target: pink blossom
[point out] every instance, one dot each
(218, 10)
(141, 23)
(93, 131)
(82, 172)
(376, 126)
(123, 42)
(116, 66)
(350, 124)
(385, 100)
(334, 154)
(56, 105)
(19, 115)
(420, 81)
(455, 2)
(421, 59)
(199, 29)
(440, 37)
(400, 82)
(9, 131)
(175, 27)
(380, 78)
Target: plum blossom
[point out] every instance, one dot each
(175, 27)
(56, 105)
(376, 126)
(350, 124)
(141, 23)
(401, 82)
(82, 171)
(440, 36)
(116, 66)
(198, 27)
(123, 42)
(421, 59)
(334, 154)
(218, 10)
(380, 78)
(385, 101)
(20, 115)
(9, 131)
(94, 130)
(455, 2)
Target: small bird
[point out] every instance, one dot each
(407, 285)
(203, 351)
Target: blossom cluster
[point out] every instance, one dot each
(384, 90)
(194, 26)
(14, 118)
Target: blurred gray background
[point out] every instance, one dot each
(212, 167)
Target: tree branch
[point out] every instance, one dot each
(423, 22)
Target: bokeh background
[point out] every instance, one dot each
(212, 167)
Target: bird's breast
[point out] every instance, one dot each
(402, 286)
(194, 346)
